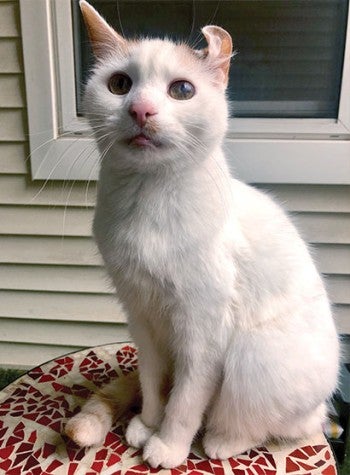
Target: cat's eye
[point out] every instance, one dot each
(181, 90)
(119, 84)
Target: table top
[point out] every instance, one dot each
(34, 409)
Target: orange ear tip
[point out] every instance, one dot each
(84, 5)
(103, 37)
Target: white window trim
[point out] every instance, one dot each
(259, 150)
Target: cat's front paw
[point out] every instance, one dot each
(86, 430)
(219, 446)
(137, 433)
(158, 454)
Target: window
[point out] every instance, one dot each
(289, 87)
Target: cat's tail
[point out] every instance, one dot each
(90, 426)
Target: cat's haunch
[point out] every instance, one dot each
(230, 316)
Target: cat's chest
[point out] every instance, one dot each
(143, 230)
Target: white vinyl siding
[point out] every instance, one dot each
(322, 215)
(12, 156)
(48, 250)
(54, 295)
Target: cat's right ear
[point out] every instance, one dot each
(102, 37)
(218, 54)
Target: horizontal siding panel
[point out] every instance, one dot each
(9, 21)
(94, 280)
(60, 306)
(12, 125)
(332, 258)
(55, 278)
(75, 307)
(77, 334)
(324, 227)
(45, 221)
(19, 190)
(24, 355)
(315, 198)
(62, 221)
(12, 90)
(13, 158)
(48, 250)
(11, 55)
(338, 287)
(342, 318)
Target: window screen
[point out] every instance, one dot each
(289, 52)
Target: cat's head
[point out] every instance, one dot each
(153, 102)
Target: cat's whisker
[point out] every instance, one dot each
(65, 210)
(43, 144)
(66, 134)
(58, 163)
(193, 19)
(76, 160)
(48, 178)
(95, 166)
(91, 173)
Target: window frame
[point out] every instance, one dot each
(314, 151)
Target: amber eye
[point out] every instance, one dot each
(119, 84)
(181, 90)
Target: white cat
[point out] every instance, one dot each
(229, 314)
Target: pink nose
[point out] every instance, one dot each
(141, 111)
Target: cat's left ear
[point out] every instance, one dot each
(219, 52)
(102, 37)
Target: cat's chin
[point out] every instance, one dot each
(138, 155)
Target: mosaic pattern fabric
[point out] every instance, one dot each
(33, 411)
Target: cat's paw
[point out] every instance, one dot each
(219, 446)
(137, 433)
(86, 430)
(158, 454)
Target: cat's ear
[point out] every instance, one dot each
(102, 36)
(219, 51)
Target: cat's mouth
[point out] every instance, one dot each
(142, 141)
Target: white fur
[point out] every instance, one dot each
(90, 426)
(223, 299)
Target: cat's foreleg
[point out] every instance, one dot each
(152, 378)
(194, 384)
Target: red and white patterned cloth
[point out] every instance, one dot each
(34, 409)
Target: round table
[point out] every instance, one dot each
(34, 409)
